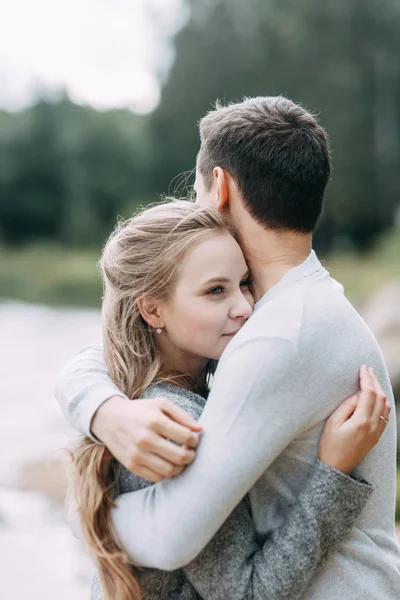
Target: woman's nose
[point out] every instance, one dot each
(242, 308)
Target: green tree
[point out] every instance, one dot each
(337, 59)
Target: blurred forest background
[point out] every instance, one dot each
(67, 170)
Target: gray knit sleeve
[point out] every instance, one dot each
(234, 566)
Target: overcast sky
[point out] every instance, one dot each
(104, 52)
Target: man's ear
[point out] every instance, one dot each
(222, 188)
(150, 311)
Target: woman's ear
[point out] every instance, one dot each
(150, 311)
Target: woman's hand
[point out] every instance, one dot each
(356, 426)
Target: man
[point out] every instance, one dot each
(265, 164)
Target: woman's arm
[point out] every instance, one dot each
(234, 566)
(247, 424)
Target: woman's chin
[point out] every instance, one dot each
(225, 339)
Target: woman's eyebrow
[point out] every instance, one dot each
(217, 280)
(225, 279)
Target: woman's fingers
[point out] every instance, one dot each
(386, 408)
(349, 436)
(383, 423)
(366, 402)
(345, 410)
(381, 406)
(373, 408)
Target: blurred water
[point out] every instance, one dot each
(39, 557)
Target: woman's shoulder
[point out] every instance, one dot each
(190, 401)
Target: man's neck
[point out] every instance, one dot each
(271, 254)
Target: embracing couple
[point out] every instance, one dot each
(290, 437)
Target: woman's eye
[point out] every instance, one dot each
(216, 291)
(245, 283)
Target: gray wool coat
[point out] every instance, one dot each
(235, 565)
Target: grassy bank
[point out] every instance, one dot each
(362, 275)
(50, 275)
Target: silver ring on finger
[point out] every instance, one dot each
(383, 419)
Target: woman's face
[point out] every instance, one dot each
(211, 301)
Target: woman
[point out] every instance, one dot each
(166, 318)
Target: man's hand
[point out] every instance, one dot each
(139, 434)
(356, 426)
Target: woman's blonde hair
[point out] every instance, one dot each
(141, 258)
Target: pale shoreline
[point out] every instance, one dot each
(40, 557)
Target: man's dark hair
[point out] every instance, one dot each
(278, 155)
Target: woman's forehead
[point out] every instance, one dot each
(216, 256)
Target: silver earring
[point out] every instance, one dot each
(158, 330)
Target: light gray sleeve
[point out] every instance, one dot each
(252, 414)
(233, 566)
(82, 386)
